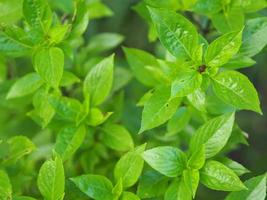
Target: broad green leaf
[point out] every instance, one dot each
(178, 191)
(10, 11)
(178, 121)
(217, 176)
(256, 190)
(158, 109)
(95, 186)
(239, 61)
(254, 39)
(129, 196)
(151, 184)
(207, 7)
(130, 166)
(68, 79)
(49, 64)
(117, 189)
(117, 137)
(214, 135)
(221, 50)
(5, 186)
(197, 158)
(233, 165)
(25, 86)
(69, 139)
(103, 42)
(142, 101)
(167, 160)
(235, 89)
(253, 5)
(58, 32)
(198, 99)
(177, 34)
(191, 179)
(51, 179)
(98, 81)
(138, 60)
(37, 14)
(185, 83)
(97, 9)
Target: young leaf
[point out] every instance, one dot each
(51, 179)
(69, 139)
(221, 50)
(169, 161)
(138, 60)
(5, 186)
(178, 190)
(256, 190)
(98, 81)
(151, 184)
(49, 64)
(25, 86)
(217, 176)
(117, 137)
(96, 117)
(235, 89)
(191, 179)
(197, 159)
(176, 33)
(158, 109)
(214, 135)
(185, 83)
(95, 186)
(130, 166)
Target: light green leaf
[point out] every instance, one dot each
(37, 14)
(235, 89)
(117, 137)
(97, 9)
(214, 135)
(69, 139)
(253, 5)
(58, 32)
(138, 60)
(98, 81)
(254, 39)
(158, 109)
(5, 186)
(25, 86)
(95, 186)
(207, 7)
(68, 79)
(217, 176)
(233, 165)
(51, 179)
(129, 196)
(130, 166)
(49, 64)
(167, 160)
(117, 189)
(256, 190)
(22, 198)
(191, 179)
(186, 82)
(197, 158)
(96, 117)
(221, 50)
(178, 191)
(177, 34)
(151, 184)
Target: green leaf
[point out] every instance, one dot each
(49, 64)
(235, 89)
(176, 33)
(138, 60)
(58, 32)
(69, 139)
(221, 50)
(103, 42)
(130, 166)
(151, 184)
(25, 85)
(22, 198)
(207, 7)
(233, 165)
(117, 137)
(5, 186)
(129, 196)
(117, 189)
(191, 179)
(51, 179)
(37, 14)
(253, 5)
(198, 99)
(178, 191)
(197, 158)
(217, 176)
(95, 186)
(96, 117)
(186, 82)
(254, 39)
(98, 81)
(167, 160)
(214, 135)
(158, 109)
(256, 190)
(68, 79)
(97, 10)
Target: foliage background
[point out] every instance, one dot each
(127, 23)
